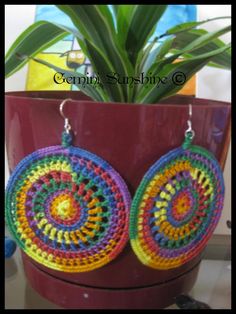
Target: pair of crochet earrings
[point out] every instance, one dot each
(69, 210)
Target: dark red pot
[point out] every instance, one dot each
(131, 138)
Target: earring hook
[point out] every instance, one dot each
(190, 132)
(190, 112)
(67, 125)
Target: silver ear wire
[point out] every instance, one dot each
(67, 125)
(190, 132)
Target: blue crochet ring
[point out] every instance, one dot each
(10, 247)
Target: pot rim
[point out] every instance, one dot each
(177, 100)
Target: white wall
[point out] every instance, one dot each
(211, 83)
(216, 84)
(17, 19)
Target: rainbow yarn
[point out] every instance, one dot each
(176, 207)
(67, 208)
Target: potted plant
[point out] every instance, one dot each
(128, 123)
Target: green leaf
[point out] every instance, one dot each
(103, 67)
(144, 54)
(105, 11)
(189, 56)
(215, 65)
(206, 38)
(187, 67)
(90, 90)
(195, 44)
(153, 61)
(223, 59)
(71, 11)
(33, 40)
(142, 59)
(124, 18)
(115, 9)
(157, 54)
(142, 26)
(190, 25)
(93, 24)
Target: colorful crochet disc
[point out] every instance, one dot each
(176, 207)
(67, 208)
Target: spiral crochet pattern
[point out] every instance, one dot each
(67, 208)
(176, 207)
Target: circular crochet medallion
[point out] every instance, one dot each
(68, 209)
(176, 207)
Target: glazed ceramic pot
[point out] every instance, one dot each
(131, 137)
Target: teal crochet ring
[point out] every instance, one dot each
(67, 208)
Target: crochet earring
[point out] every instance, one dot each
(177, 205)
(67, 208)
